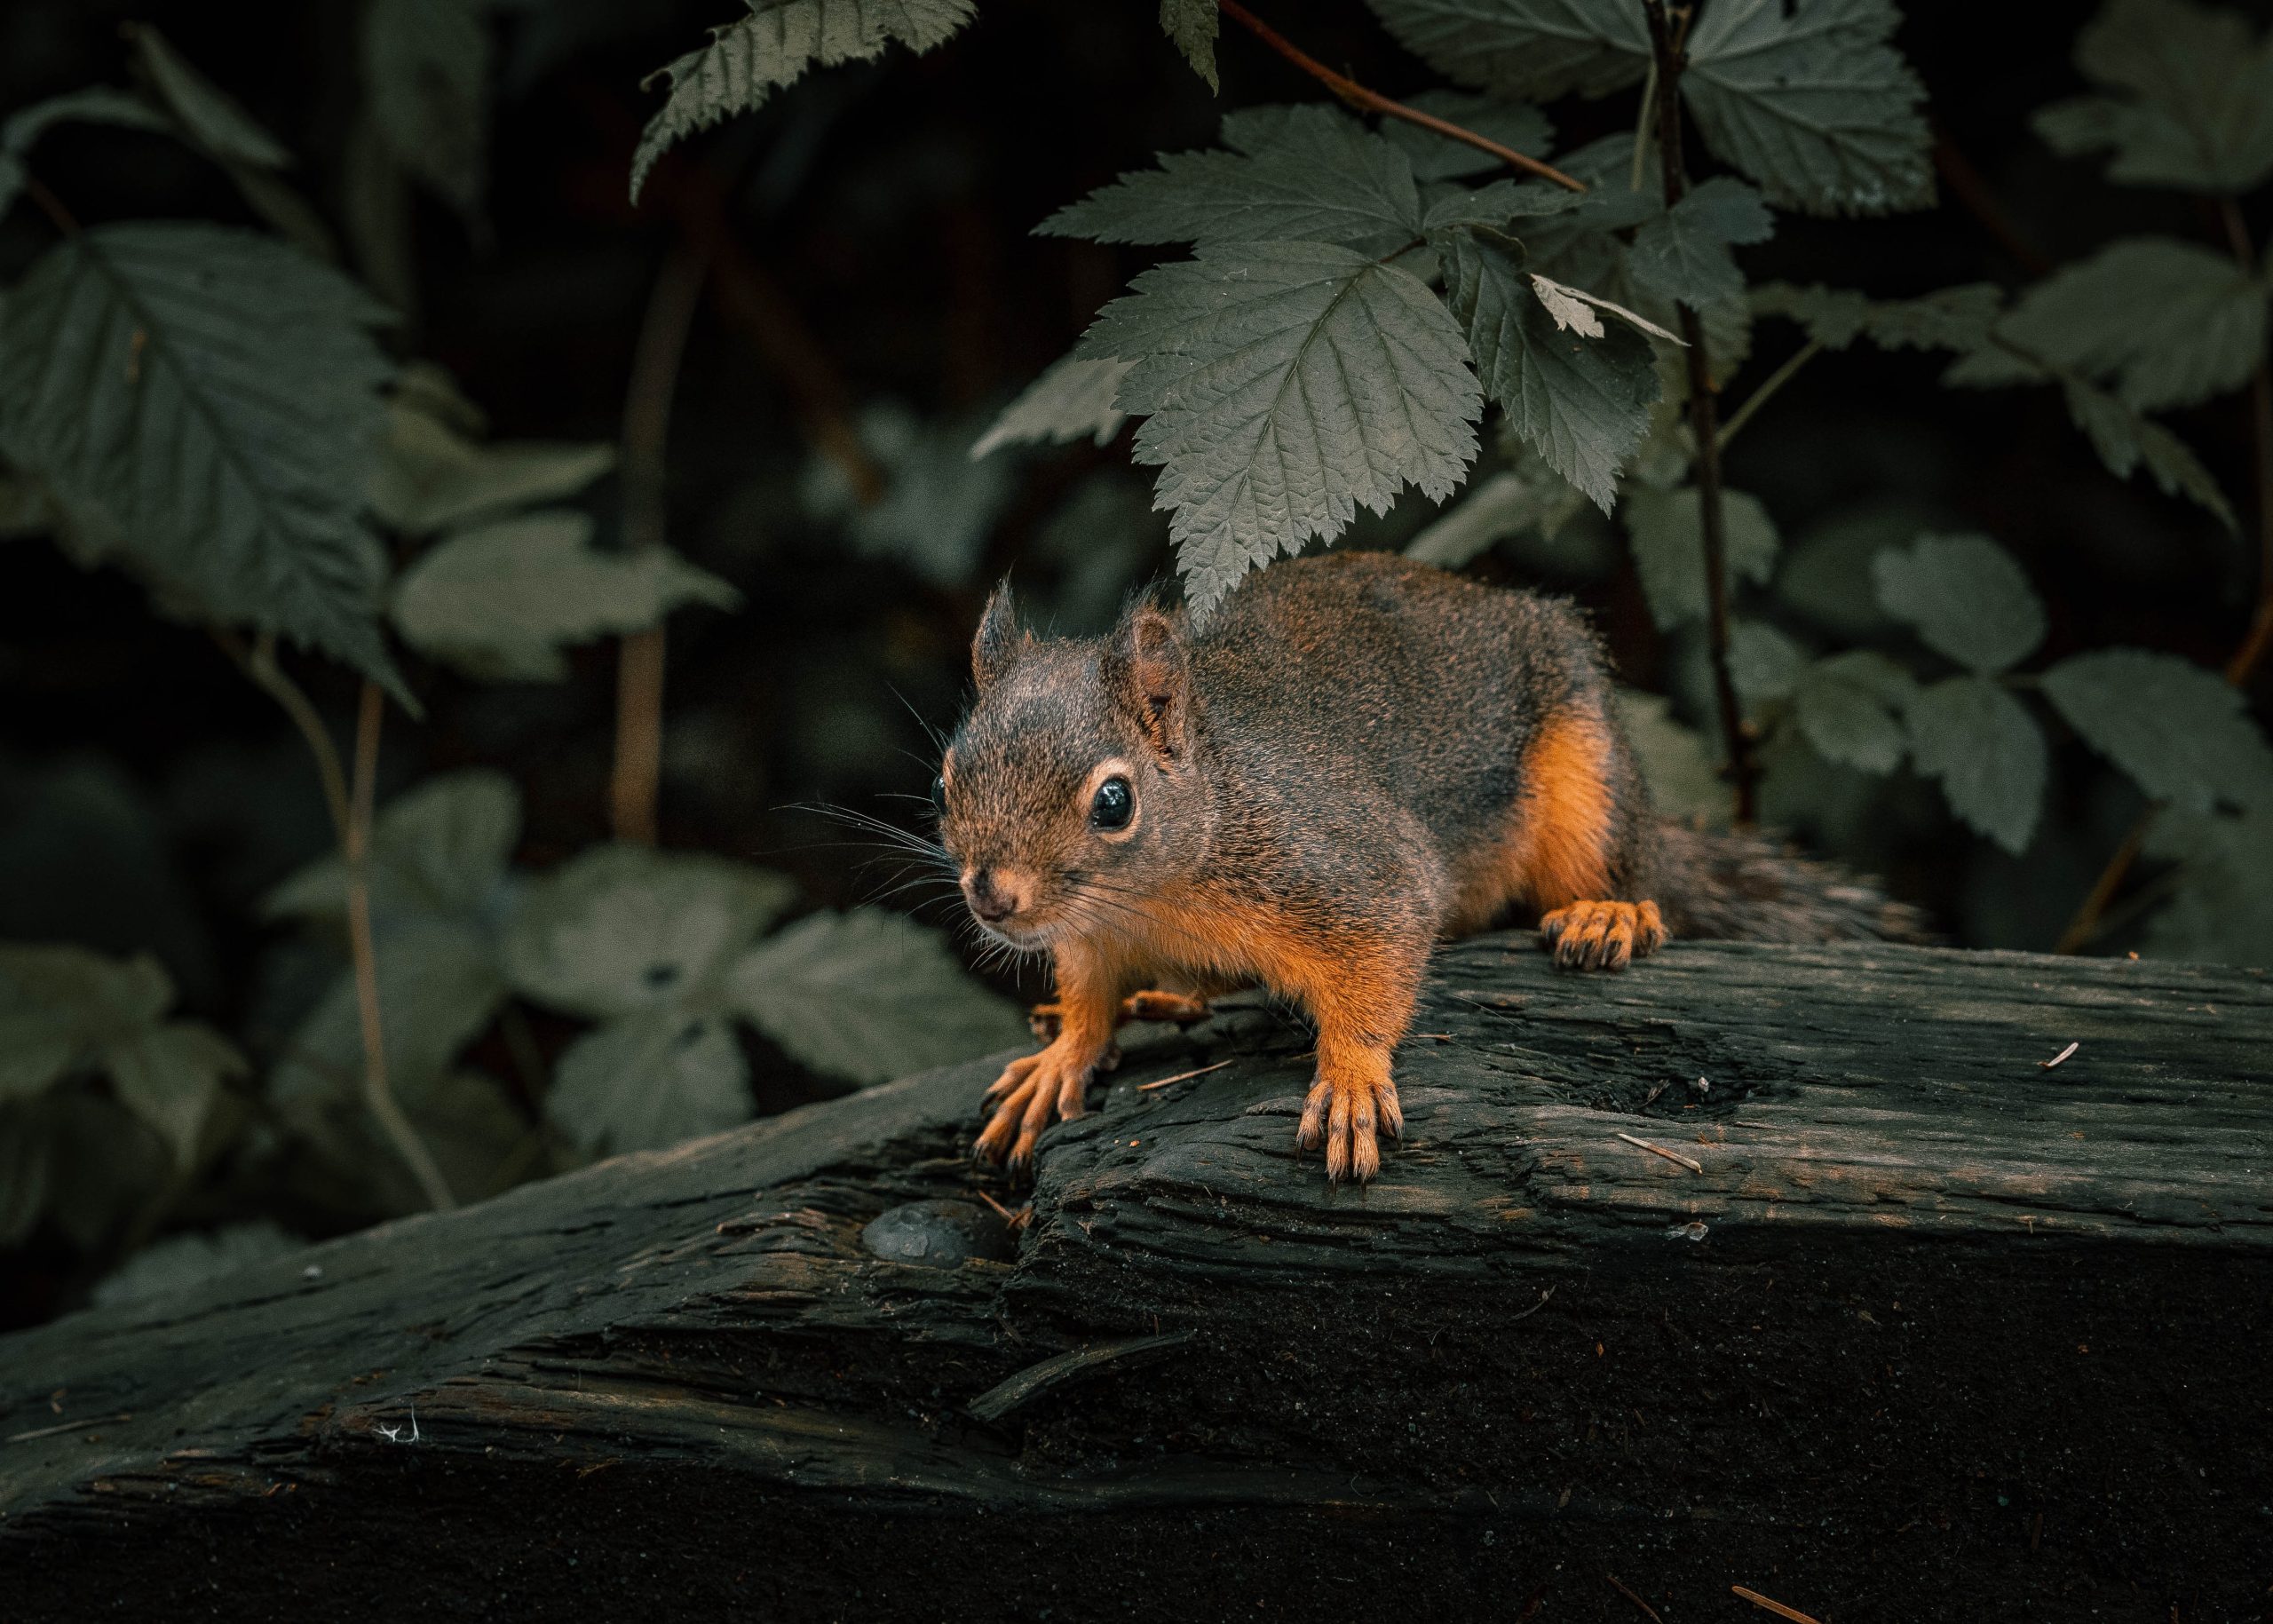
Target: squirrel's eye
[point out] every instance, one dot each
(1114, 805)
(939, 794)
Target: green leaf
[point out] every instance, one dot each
(1668, 534)
(60, 1006)
(193, 1259)
(747, 60)
(1321, 177)
(1849, 707)
(1684, 253)
(426, 76)
(2193, 98)
(1287, 383)
(938, 505)
(1191, 25)
(1508, 504)
(1813, 104)
(98, 104)
(1988, 753)
(1958, 318)
(439, 985)
(1073, 399)
(2126, 441)
(1764, 664)
(2222, 909)
(212, 395)
(432, 476)
(870, 995)
(1537, 50)
(2178, 733)
(1516, 125)
(648, 1081)
(2171, 322)
(622, 928)
(209, 115)
(1497, 205)
(502, 601)
(1966, 597)
(1583, 402)
(439, 850)
(1684, 783)
(170, 1076)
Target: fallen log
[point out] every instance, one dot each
(1797, 1269)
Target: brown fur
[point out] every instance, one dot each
(1356, 755)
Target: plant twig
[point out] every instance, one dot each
(1703, 415)
(1973, 193)
(1659, 1149)
(1373, 101)
(258, 663)
(1776, 1607)
(1768, 385)
(1144, 1088)
(49, 204)
(1619, 1585)
(377, 1093)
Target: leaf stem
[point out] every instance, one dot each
(1373, 101)
(377, 1093)
(1768, 385)
(49, 204)
(1703, 415)
(259, 666)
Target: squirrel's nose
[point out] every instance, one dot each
(993, 895)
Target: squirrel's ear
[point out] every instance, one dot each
(1000, 640)
(1147, 670)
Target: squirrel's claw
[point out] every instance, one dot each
(1601, 935)
(1344, 1112)
(1029, 1089)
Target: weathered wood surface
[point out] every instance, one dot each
(1934, 1333)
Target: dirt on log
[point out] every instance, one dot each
(1790, 1269)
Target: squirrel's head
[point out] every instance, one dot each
(1067, 795)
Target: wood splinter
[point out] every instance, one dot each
(1694, 1166)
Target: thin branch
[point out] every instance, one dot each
(1703, 415)
(259, 665)
(1966, 184)
(377, 1093)
(1373, 101)
(1768, 385)
(49, 204)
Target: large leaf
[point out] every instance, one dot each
(1583, 402)
(1516, 125)
(431, 475)
(747, 60)
(2192, 102)
(1193, 25)
(1684, 253)
(426, 76)
(1851, 706)
(1076, 397)
(212, 396)
(1966, 597)
(1667, 529)
(439, 849)
(870, 995)
(503, 601)
(649, 1080)
(2181, 734)
(1987, 751)
(1535, 49)
(1321, 177)
(1813, 103)
(624, 929)
(1287, 383)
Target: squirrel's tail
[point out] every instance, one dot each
(1754, 887)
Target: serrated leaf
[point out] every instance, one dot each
(438, 849)
(1763, 662)
(2173, 323)
(869, 995)
(1668, 534)
(1286, 384)
(439, 987)
(1958, 318)
(1813, 103)
(1584, 403)
(1966, 597)
(622, 928)
(1320, 177)
(502, 601)
(1684, 783)
(170, 1076)
(746, 61)
(1684, 253)
(431, 475)
(1193, 25)
(1850, 706)
(212, 394)
(1516, 125)
(2126, 441)
(426, 66)
(649, 1080)
(2194, 101)
(2178, 733)
(212, 117)
(1498, 204)
(193, 1259)
(1537, 50)
(1073, 399)
(1988, 753)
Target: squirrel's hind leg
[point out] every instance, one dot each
(1152, 1004)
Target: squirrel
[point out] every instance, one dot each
(1356, 756)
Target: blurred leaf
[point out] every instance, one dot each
(869, 995)
(2126, 441)
(1668, 535)
(2182, 735)
(426, 77)
(1850, 706)
(622, 928)
(191, 1259)
(500, 602)
(1583, 403)
(937, 506)
(1684, 253)
(1103, 539)
(1538, 50)
(1813, 103)
(209, 115)
(1496, 206)
(170, 1076)
(1073, 399)
(1192, 24)
(1988, 753)
(431, 476)
(213, 393)
(439, 849)
(1764, 664)
(1958, 318)
(1516, 125)
(1286, 384)
(1684, 783)
(2222, 908)
(26, 1167)
(1826, 571)
(439, 987)
(747, 61)
(649, 1080)
(96, 105)
(1966, 597)
(475, 1131)
(1506, 503)
(2194, 98)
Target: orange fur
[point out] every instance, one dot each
(1557, 849)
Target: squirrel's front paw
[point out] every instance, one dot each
(1026, 1093)
(1348, 1103)
(1601, 935)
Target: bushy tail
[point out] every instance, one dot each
(1754, 887)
